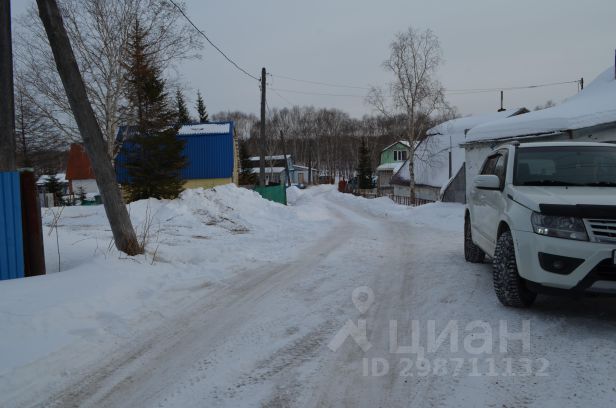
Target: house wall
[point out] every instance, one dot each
(384, 177)
(455, 191)
(476, 154)
(387, 156)
(207, 183)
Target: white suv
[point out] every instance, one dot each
(546, 215)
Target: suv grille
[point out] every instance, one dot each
(602, 230)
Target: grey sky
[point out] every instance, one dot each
(486, 44)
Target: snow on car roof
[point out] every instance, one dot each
(594, 105)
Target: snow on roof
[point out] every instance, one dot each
(268, 169)
(404, 142)
(205, 128)
(431, 162)
(390, 166)
(594, 105)
(277, 157)
(43, 179)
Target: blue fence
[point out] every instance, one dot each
(11, 232)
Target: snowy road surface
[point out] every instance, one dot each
(368, 304)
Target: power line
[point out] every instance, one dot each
(511, 88)
(211, 43)
(306, 81)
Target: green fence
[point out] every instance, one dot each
(277, 193)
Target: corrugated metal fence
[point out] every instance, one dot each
(11, 230)
(276, 193)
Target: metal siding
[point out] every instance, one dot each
(209, 156)
(11, 233)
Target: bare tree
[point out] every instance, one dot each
(414, 93)
(99, 32)
(119, 220)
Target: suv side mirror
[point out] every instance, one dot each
(487, 182)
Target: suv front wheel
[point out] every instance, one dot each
(510, 288)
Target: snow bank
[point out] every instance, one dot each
(443, 216)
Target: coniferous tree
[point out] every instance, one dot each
(182, 109)
(53, 186)
(246, 175)
(364, 168)
(203, 116)
(154, 153)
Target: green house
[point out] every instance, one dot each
(392, 158)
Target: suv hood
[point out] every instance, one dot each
(532, 196)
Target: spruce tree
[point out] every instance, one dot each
(53, 186)
(246, 175)
(364, 169)
(182, 109)
(154, 152)
(203, 116)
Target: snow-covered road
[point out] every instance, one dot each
(334, 323)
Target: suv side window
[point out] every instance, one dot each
(496, 165)
(489, 165)
(501, 168)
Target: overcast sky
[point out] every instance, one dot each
(486, 44)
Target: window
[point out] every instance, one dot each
(400, 155)
(496, 165)
(566, 166)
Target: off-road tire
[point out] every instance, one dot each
(472, 253)
(510, 288)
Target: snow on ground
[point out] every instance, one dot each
(240, 302)
(202, 238)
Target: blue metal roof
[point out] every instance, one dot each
(210, 155)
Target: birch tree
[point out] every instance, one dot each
(99, 31)
(414, 92)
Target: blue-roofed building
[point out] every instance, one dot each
(210, 149)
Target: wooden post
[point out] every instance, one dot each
(7, 98)
(262, 135)
(34, 254)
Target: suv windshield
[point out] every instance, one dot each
(566, 166)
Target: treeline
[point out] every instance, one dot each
(326, 139)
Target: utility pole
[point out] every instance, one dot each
(262, 138)
(581, 84)
(7, 98)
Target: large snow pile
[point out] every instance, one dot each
(594, 105)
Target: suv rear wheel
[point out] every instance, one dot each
(472, 253)
(509, 286)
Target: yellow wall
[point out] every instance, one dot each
(207, 183)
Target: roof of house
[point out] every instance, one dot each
(43, 179)
(268, 169)
(404, 142)
(594, 105)
(431, 162)
(276, 157)
(79, 166)
(213, 128)
(390, 166)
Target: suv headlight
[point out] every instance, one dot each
(559, 227)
